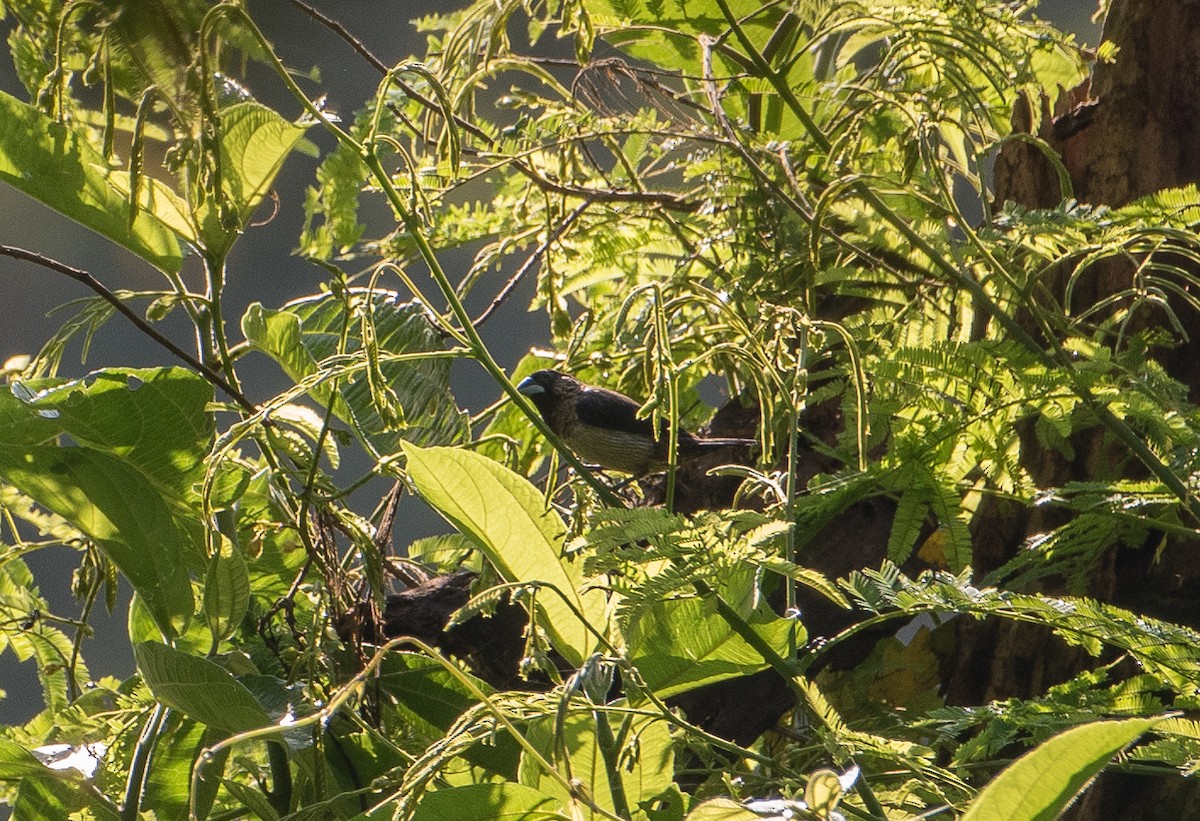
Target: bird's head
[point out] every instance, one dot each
(548, 388)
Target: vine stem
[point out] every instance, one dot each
(142, 754)
(475, 343)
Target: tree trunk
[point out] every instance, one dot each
(1134, 129)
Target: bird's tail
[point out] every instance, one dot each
(706, 443)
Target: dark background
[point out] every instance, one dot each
(261, 268)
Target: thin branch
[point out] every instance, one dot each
(671, 201)
(142, 325)
(341, 31)
(382, 67)
(530, 262)
(135, 787)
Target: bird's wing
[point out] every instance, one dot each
(602, 408)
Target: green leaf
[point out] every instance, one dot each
(156, 199)
(507, 518)
(643, 758)
(141, 626)
(680, 644)
(423, 687)
(48, 644)
(356, 755)
(54, 165)
(304, 334)
(667, 35)
(252, 798)
(806, 576)
(176, 750)
(722, 809)
(120, 511)
(489, 802)
(331, 207)
(151, 44)
(429, 700)
(16, 762)
(1039, 785)
(226, 591)
(199, 688)
(141, 436)
(156, 419)
(47, 793)
(254, 143)
(445, 553)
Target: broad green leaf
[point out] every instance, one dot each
(252, 798)
(679, 644)
(254, 143)
(489, 802)
(199, 688)
(156, 419)
(176, 751)
(305, 333)
(357, 755)
(141, 626)
(642, 756)
(158, 200)
(1039, 785)
(48, 793)
(226, 591)
(51, 163)
(141, 436)
(120, 511)
(722, 809)
(423, 687)
(255, 140)
(507, 518)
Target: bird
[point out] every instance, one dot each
(602, 426)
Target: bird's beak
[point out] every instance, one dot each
(529, 387)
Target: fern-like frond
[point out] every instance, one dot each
(1168, 651)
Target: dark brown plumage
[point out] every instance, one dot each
(602, 426)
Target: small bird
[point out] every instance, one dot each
(602, 426)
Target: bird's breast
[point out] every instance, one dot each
(615, 449)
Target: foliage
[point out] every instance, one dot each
(791, 198)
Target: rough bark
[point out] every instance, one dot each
(1134, 129)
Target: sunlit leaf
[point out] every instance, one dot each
(199, 688)
(681, 644)
(507, 518)
(1039, 785)
(489, 802)
(51, 163)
